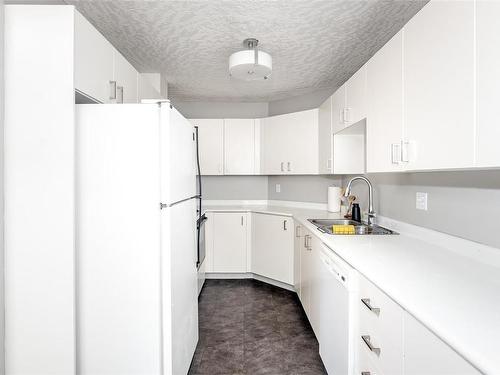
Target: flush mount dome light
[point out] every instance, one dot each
(250, 64)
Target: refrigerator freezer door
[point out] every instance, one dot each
(179, 286)
(178, 156)
(118, 242)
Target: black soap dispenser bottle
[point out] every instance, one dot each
(356, 212)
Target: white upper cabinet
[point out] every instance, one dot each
(211, 145)
(384, 128)
(239, 150)
(355, 98)
(125, 76)
(425, 353)
(272, 247)
(438, 65)
(93, 61)
(325, 140)
(338, 109)
(488, 83)
(290, 143)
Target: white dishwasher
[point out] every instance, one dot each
(338, 301)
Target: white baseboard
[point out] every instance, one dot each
(249, 275)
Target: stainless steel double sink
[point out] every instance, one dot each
(325, 226)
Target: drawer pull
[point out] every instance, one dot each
(366, 302)
(365, 373)
(366, 339)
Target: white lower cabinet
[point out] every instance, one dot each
(229, 242)
(426, 354)
(310, 279)
(298, 243)
(272, 247)
(393, 342)
(305, 271)
(380, 328)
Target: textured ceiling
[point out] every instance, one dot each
(315, 44)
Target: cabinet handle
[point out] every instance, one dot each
(289, 167)
(120, 94)
(405, 157)
(395, 153)
(242, 221)
(282, 166)
(219, 168)
(366, 339)
(366, 302)
(307, 244)
(284, 225)
(297, 231)
(112, 90)
(329, 165)
(366, 373)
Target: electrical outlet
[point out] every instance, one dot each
(421, 201)
(278, 188)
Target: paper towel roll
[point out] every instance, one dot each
(333, 199)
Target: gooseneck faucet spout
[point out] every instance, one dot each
(371, 212)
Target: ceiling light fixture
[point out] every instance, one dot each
(250, 64)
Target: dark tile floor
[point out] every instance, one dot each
(250, 327)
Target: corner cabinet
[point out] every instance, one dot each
(273, 247)
(325, 137)
(241, 141)
(290, 143)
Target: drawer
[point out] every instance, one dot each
(381, 325)
(365, 365)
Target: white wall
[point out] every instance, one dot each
(221, 109)
(234, 187)
(299, 103)
(39, 191)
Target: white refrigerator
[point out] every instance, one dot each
(137, 306)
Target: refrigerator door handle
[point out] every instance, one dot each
(165, 205)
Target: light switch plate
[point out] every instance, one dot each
(278, 188)
(421, 201)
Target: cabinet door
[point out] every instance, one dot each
(211, 145)
(325, 138)
(426, 354)
(229, 242)
(239, 146)
(438, 67)
(305, 272)
(338, 106)
(315, 266)
(93, 61)
(355, 94)
(125, 76)
(301, 142)
(384, 124)
(488, 81)
(297, 247)
(272, 247)
(274, 137)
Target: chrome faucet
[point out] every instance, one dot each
(371, 212)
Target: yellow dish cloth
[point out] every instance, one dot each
(343, 229)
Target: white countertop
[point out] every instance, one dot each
(450, 285)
